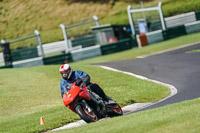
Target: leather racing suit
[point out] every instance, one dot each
(85, 79)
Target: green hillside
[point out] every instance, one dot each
(19, 18)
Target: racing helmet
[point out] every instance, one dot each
(65, 71)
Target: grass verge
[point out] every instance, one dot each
(26, 94)
(181, 117)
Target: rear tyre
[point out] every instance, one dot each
(116, 110)
(87, 115)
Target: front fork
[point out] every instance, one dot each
(84, 103)
(96, 105)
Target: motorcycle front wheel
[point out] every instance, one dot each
(87, 115)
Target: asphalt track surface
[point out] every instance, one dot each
(179, 68)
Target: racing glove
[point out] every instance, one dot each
(78, 82)
(83, 81)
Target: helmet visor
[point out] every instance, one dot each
(66, 73)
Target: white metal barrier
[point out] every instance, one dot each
(55, 47)
(180, 19)
(192, 27)
(52, 47)
(85, 53)
(154, 37)
(1, 59)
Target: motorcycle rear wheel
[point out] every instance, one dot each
(85, 114)
(116, 110)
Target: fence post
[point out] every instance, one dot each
(97, 20)
(37, 33)
(6, 52)
(130, 20)
(67, 47)
(161, 16)
(3, 41)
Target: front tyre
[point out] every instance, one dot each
(86, 114)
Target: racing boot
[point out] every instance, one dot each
(108, 99)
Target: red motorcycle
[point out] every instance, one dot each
(88, 105)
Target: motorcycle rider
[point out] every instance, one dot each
(80, 78)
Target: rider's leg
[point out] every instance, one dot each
(97, 89)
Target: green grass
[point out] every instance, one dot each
(181, 117)
(194, 51)
(180, 6)
(26, 94)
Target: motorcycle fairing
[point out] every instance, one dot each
(71, 95)
(85, 94)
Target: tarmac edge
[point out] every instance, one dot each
(129, 108)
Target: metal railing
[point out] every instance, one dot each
(36, 35)
(64, 30)
(180, 19)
